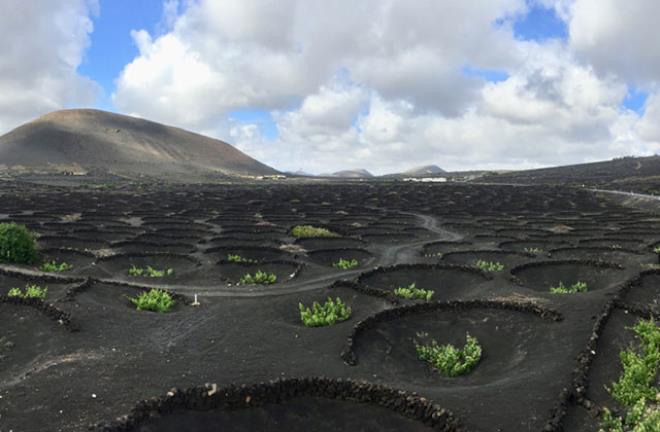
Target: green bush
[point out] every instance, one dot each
(150, 272)
(305, 231)
(155, 300)
(412, 292)
(345, 264)
(54, 267)
(641, 417)
(636, 387)
(31, 291)
(259, 277)
(533, 250)
(489, 266)
(656, 249)
(326, 314)
(448, 359)
(577, 287)
(434, 255)
(235, 258)
(639, 368)
(17, 244)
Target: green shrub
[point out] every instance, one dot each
(305, 231)
(346, 264)
(642, 417)
(54, 267)
(235, 258)
(577, 287)
(259, 277)
(17, 244)
(412, 292)
(610, 422)
(636, 387)
(533, 250)
(31, 291)
(320, 315)
(448, 359)
(656, 249)
(434, 255)
(150, 272)
(489, 266)
(639, 368)
(155, 300)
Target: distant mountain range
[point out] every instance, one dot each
(426, 170)
(352, 173)
(84, 141)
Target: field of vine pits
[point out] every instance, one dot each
(85, 359)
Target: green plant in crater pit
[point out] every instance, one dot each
(636, 389)
(489, 266)
(54, 267)
(31, 291)
(235, 258)
(319, 315)
(448, 359)
(155, 300)
(307, 231)
(412, 292)
(577, 287)
(150, 272)
(346, 264)
(260, 277)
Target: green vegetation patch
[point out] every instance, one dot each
(329, 313)
(17, 244)
(434, 255)
(412, 292)
(306, 231)
(577, 287)
(31, 291)
(489, 266)
(155, 300)
(150, 272)
(55, 267)
(260, 277)
(448, 359)
(235, 258)
(346, 264)
(636, 388)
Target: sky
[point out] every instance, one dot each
(321, 86)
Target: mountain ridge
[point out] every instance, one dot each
(93, 140)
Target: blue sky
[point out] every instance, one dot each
(540, 24)
(112, 46)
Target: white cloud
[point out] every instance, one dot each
(42, 45)
(617, 37)
(271, 55)
(380, 84)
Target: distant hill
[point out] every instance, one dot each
(90, 140)
(300, 172)
(353, 173)
(620, 170)
(424, 171)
